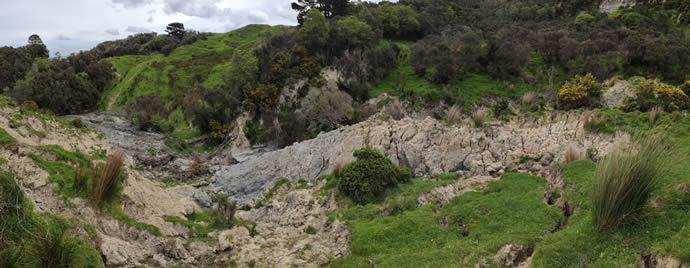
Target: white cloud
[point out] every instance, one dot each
(132, 3)
(200, 8)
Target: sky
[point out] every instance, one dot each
(68, 26)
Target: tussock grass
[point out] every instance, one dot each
(529, 98)
(625, 178)
(573, 154)
(654, 114)
(479, 118)
(454, 115)
(106, 184)
(336, 169)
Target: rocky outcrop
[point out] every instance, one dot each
(618, 92)
(425, 146)
(610, 6)
(280, 238)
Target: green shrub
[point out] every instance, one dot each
(77, 123)
(501, 110)
(225, 211)
(310, 230)
(625, 179)
(368, 176)
(28, 106)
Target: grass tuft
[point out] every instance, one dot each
(454, 115)
(654, 114)
(625, 179)
(108, 182)
(573, 154)
(479, 118)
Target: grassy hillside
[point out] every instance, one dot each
(474, 226)
(202, 62)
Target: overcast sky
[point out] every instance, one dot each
(71, 25)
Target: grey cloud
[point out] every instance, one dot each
(150, 19)
(112, 31)
(134, 29)
(257, 16)
(152, 11)
(63, 37)
(199, 8)
(132, 3)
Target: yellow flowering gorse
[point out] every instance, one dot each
(578, 91)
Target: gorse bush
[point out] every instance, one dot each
(580, 91)
(625, 178)
(369, 175)
(673, 98)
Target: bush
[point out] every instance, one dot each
(224, 212)
(368, 176)
(625, 179)
(685, 87)
(28, 106)
(77, 123)
(501, 109)
(673, 98)
(580, 91)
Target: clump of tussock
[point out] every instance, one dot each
(479, 118)
(337, 168)
(594, 123)
(654, 114)
(529, 98)
(573, 154)
(108, 182)
(454, 114)
(625, 178)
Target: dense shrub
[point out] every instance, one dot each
(14, 64)
(501, 109)
(625, 178)
(580, 91)
(673, 98)
(146, 111)
(369, 175)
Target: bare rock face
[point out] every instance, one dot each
(610, 6)
(425, 146)
(280, 239)
(616, 94)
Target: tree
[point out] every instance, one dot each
(14, 64)
(34, 39)
(356, 34)
(329, 8)
(399, 21)
(36, 48)
(314, 31)
(175, 29)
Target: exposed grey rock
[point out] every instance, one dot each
(610, 6)
(616, 94)
(203, 199)
(425, 146)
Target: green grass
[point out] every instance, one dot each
(275, 188)
(62, 173)
(30, 239)
(663, 230)
(5, 138)
(172, 76)
(507, 211)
